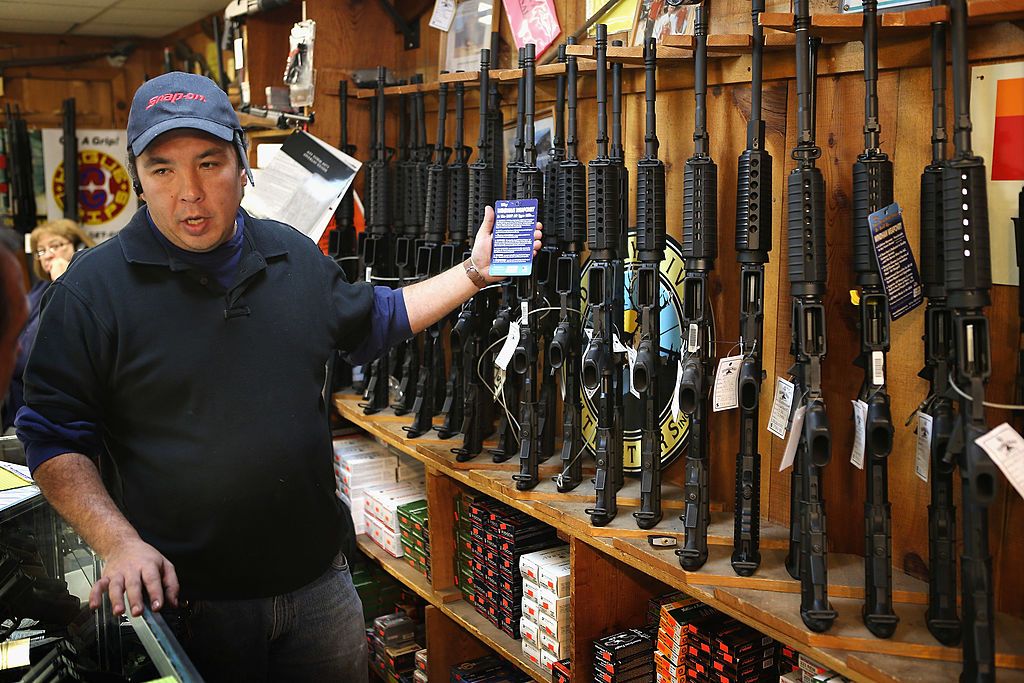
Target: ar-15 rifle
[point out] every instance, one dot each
(650, 245)
(807, 560)
(872, 190)
(378, 244)
(509, 392)
(564, 350)
(470, 330)
(70, 161)
(545, 264)
(529, 185)
(941, 616)
(968, 282)
(19, 160)
(700, 248)
(455, 248)
(414, 196)
(602, 363)
(342, 241)
(753, 242)
(430, 385)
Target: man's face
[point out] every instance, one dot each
(192, 182)
(12, 296)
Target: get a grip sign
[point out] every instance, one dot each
(105, 197)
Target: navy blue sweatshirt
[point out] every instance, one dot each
(204, 406)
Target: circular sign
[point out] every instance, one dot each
(104, 188)
(674, 433)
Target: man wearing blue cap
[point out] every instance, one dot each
(183, 360)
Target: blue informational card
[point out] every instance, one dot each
(900, 276)
(512, 246)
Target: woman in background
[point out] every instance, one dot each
(53, 245)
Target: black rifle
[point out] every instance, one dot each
(564, 350)
(805, 198)
(70, 161)
(413, 180)
(451, 251)
(602, 364)
(509, 393)
(650, 245)
(470, 330)
(430, 384)
(544, 267)
(753, 242)
(378, 244)
(872, 191)
(700, 248)
(529, 185)
(968, 283)
(19, 160)
(496, 121)
(941, 616)
(342, 241)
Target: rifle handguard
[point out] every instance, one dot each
(754, 205)
(872, 189)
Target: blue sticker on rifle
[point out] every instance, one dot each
(512, 248)
(895, 260)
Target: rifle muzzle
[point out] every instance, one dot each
(559, 347)
(816, 434)
(594, 360)
(691, 386)
(644, 367)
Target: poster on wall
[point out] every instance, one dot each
(618, 19)
(997, 115)
(106, 201)
(659, 20)
(533, 21)
(470, 32)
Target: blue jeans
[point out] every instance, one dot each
(315, 633)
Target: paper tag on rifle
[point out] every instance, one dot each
(896, 263)
(499, 382)
(877, 368)
(676, 410)
(561, 384)
(692, 342)
(618, 346)
(524, 311)
(860, 424)
(631, 357)
(923, 452)
(369, 272)
(443, 15)
(782, 406)
(511, 342)
(727, 384)
(15, 654)
(789, 453)
(239, 47)
(1006, 448)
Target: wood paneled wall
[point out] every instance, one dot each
(356, 34)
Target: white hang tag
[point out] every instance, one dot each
(676, 410)
(877, 368)
(589, 331)
(781, 407)
(631, 358)
(561, 384)
(443, 15)
(524, 312)
(618, 346)
(923, 453)
(692, 342)
(369, 273)
(511, 342)
(860, 423)
(239, 47)
(789, 453)
(1006, 448)
(727, 384)
(499, 382)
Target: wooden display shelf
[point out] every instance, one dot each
(769, 600)
(450, 602)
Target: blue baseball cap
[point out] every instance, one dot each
(182, 100)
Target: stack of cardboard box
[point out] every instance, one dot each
(544, 624)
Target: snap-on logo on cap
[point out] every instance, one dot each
(173, 97)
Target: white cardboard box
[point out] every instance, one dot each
(530, 589)
(555, 577)
(532, 653)
(531, 609)
(554, 629)
(549, 602)
(547, 659)
(387, 539)
(383, 502)
(530, 563)
(530, 631)
(559, 648)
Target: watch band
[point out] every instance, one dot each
(474, 275)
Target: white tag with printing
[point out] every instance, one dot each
(923, 452)
(789, 454)
(781, 407)
(727, 384)
(676, 410)
(1006, 448)
(511, 342)
(631, 358)
(877, 368)
(860, 421)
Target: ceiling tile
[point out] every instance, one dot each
(47, 12)
(26, 26)
(207, 6)
(150, 17)
(94, 28)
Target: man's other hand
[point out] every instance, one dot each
(482, 245)
(131, 568)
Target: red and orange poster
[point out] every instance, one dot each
(997, 114)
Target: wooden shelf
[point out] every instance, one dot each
(450, 602)
(769, 600)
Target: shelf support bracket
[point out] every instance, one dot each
(410, 31)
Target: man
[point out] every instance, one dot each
(187, 356)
